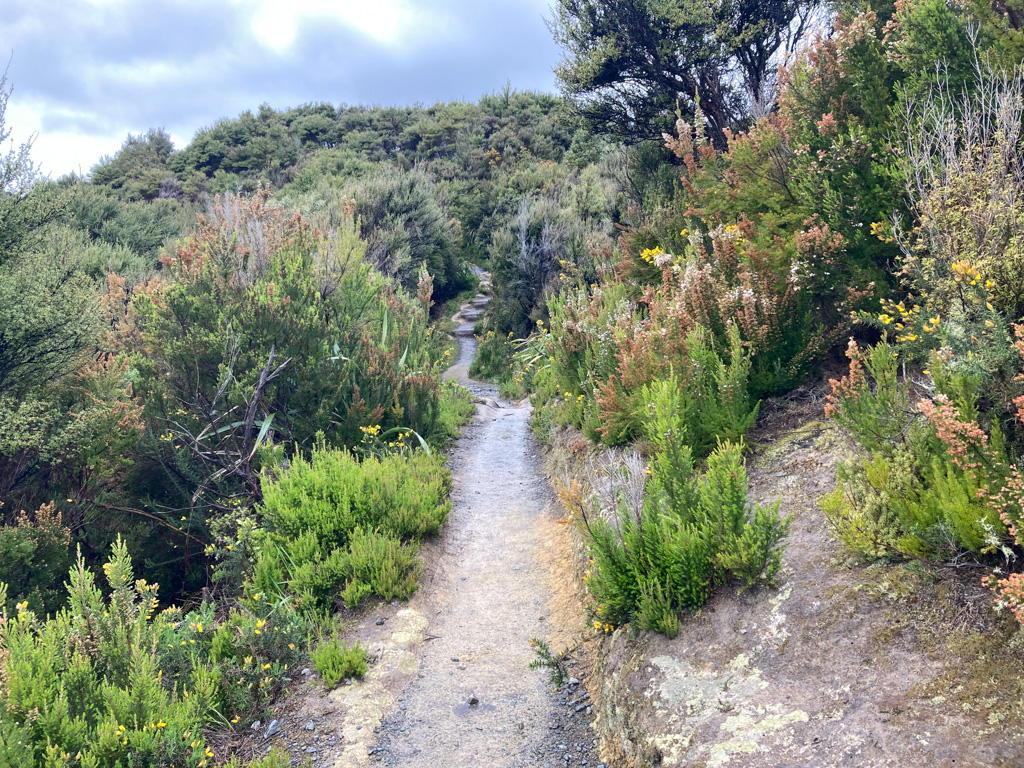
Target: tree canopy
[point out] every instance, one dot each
(630, 65)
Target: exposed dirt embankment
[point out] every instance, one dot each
(845, 664)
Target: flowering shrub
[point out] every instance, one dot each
(35, 556)
(924, 488)
(493, 356)
(110, 681)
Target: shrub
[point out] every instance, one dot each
(340, 527)
(115, 682)
(689, 535)
(35, 555)
(924, 488)
(265, 332)
(336, 662)
(493, 356)
(333, 493)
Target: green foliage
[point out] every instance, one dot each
(139, 169)
(336, 662)
(49, 316)
(141, 228)
(553, 662)
(689, 535)
(144, 687)
(628, 64)
(549, 234)
(35, 556)
(922, 490)
(338, 527)
(405, 225)
(275, 333)
(493, 357)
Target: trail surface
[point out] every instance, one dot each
(474, 700)
(450, 684)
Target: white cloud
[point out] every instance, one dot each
(56, 153)
(276, 23)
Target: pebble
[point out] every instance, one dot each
(273, 729)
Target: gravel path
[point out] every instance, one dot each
(474, 700)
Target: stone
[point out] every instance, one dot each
(273, 729)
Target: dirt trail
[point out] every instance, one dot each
(474, 700)
(450, 683)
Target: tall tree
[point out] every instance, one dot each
(631, 64)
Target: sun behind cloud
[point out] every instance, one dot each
(276, 24)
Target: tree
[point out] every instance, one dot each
(46, 303)
(139, 167)
(631, 64)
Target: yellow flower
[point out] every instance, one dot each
(161, 724)
(199, 628)
(291, 646)
(265, 666)
(989, 324)
(935, 321)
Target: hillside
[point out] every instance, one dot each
(673, 420)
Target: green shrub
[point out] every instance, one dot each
(388, 567)
(336, 662)
(340, 528)
(493, 356)
(688, 536)
(112, 680)
(456, 409)
(35, 555)
(656, 611)
(924, 488)
(333, 493)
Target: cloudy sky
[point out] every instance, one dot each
(88, 72)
